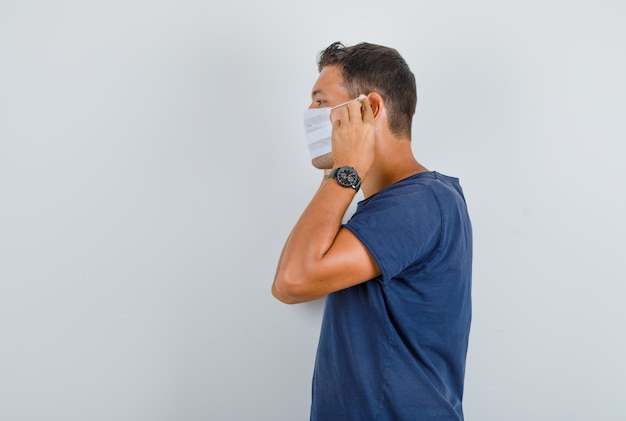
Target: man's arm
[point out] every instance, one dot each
(319, 256)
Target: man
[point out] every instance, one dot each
(397, 275)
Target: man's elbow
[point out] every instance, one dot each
(282, 297)
(291, 289)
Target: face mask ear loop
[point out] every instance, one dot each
(340, 105)
(360, 97)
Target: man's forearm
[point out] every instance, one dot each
(310, 240)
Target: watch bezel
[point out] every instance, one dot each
(343, 174)
(347, 176)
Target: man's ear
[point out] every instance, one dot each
(377, 102)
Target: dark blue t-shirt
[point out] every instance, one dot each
(394, 348)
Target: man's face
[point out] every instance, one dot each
(328, 91)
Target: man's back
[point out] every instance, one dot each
(394, 348)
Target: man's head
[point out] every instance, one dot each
(369, 68)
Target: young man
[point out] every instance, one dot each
(397, 275)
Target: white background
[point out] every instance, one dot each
(152, 163)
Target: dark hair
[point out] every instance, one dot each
(373, 68)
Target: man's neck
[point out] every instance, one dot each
(389, 168)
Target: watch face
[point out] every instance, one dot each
(347, 176)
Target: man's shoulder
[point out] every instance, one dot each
(443, 187)
(420, 186)
(421, 199)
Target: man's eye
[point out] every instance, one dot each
(320, 102)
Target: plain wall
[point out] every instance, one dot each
(152, 163)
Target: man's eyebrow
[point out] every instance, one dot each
(316, 92)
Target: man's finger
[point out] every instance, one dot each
(367, 114)
(338, 114)
(355, 110)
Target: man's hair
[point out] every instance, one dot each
(373, 68)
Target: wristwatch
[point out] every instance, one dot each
(346, 177)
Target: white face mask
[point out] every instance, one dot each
(318, 129)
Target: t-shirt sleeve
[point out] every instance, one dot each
(399, 230)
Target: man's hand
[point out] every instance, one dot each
(353, 135)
